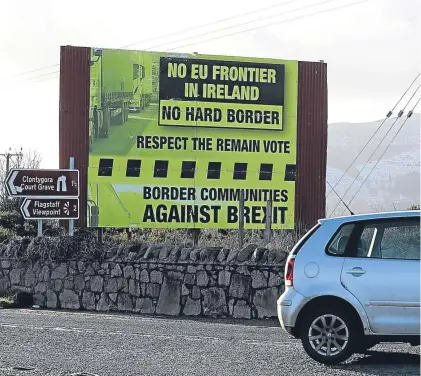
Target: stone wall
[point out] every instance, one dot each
(191, 282)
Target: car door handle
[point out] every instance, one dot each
(356, 272)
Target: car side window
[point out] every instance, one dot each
(401, 242)
(337, 245)
(390, 240)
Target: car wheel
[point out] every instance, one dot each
(329, 335)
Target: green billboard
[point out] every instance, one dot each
(176, 139)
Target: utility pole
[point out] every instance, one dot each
(8, 155)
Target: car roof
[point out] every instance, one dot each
(368, 216)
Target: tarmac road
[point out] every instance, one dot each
(66, 343)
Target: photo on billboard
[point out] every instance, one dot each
(175, 138)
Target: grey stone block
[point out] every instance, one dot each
(128, 272)
(195, 292)
(265, 302)
(29, 278)
(246, 253)
(192, 307)
(202, 278)
(232, 256)
(134, 288)
(51, 299)
(258, 279)
(144, 276)
(69, 300)
(223, 254)
(169, 299)
(58, 285)
(156, 276)
(97, 284)
(242, 310)
(124, 302)
(40, 288)
(214, 302)
(111, 285)
(80, 282)
(152, 290)
(189, 279)
(116, 271)
(240, 286)
(275, 280)
(145, 305)
(14, 276)
(88, 301)
(224, 278)
(104, 303)
(60, 272)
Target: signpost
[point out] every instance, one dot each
(50, 208)
(49, 194)
(42, 183)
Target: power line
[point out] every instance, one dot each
(210, 23)
(381, 141)
(35, 70)
(270, 24)
(42, 75)
(182, 31)
(263, 26)
(340, 198)
(244, 23)
(385, 150)
(377, 130)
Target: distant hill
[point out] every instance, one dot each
(393, 184)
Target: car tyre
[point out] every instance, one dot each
(329, 335)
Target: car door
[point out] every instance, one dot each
(382, 270)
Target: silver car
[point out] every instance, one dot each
(352, 282)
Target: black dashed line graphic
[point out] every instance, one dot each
(266, 170)
(133, 168)
(161, 169)
(105, 167)
(214, 170)
(290, 172)
(240, 171)
(188, 169)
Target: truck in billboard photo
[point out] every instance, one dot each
(142, 81)
(111, 89)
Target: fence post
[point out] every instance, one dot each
(39, 227)
(268, 224)
(241, 219)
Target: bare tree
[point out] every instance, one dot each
(24, 159)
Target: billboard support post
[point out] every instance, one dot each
(195, 233)
(71, 222)
(241, 220)
(268, 224)
(99, 235)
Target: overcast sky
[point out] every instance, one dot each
(371, 48)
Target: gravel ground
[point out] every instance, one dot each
(66, 343)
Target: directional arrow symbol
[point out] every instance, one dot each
(11, 182)
(25, 208)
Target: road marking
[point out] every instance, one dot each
(152, 335)
(105, 316)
